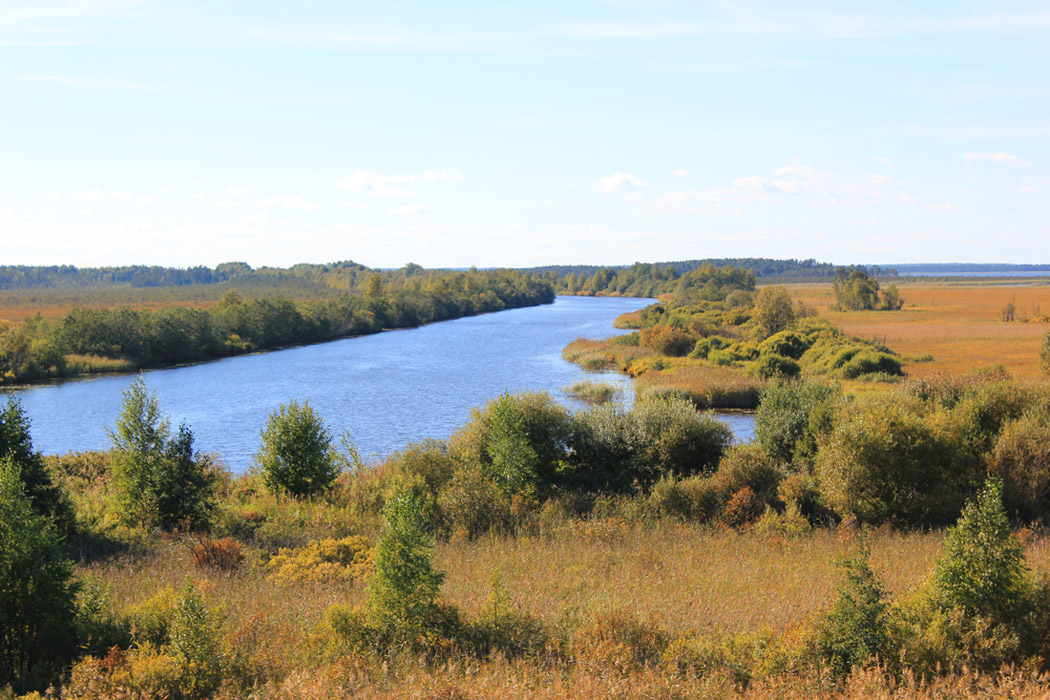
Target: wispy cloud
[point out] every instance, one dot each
(623, 183)
(287, 203)
(392, 185)
(996, 158)
(413, 211)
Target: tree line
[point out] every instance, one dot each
(93, 339)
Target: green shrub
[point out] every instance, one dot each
(195, 643)
(769, 365)
(887, 458)
(704, 346)
(48, 499)
(855, 631)
(747, 466)
(667, 340)
(346, 559)
(786, 344)
(402, 593)
(982, 570)
(472, 504)
(871, 362)
(784, 415)
(1021, 460)
(37, 614)
(692, 499)
(519, 440)
(160, 482)
(296, 456)
(672, 437)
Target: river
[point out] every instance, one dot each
(384, 390)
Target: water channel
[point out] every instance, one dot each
(384, 390)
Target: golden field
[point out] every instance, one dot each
(959, 324)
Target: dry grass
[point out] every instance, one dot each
(958, 323)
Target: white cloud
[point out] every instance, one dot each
(996, 158)
(95, 196)
(391, 185)
(945, 206)
(620, 182)
(353, 205)
(681, 172)
(238, 191)
(882, 161)
(287, 203)
(414, 211)
(632, 30)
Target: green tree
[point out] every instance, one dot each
(36, 591)
(403, 591)
(855, 289)
(296, 456)
(160, 481)
(48, 498)
(982, 569)
(774, 310)
(855, 630)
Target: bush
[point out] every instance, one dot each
(667, 340)
(855, 631)
(159, 480)
(225, 554)
(785, 417)
(37, 614)
(770, 365)
(674, 438)
(296, 456)
(982, 570)
(1021, 460)
(693, 499)
(195, 644)
(346, 559)
(786, 344)
(886, 458)
(871, 362)
(519, 440)
(472, 503)
(403, 592)
(747, 466)
(743, 508)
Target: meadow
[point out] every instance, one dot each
(959, 323)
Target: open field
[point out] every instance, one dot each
(958, 323)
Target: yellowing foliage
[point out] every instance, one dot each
(347, 559)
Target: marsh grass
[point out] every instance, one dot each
(593, 392)
(706, 386)
(93, 364)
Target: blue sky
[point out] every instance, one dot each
(499, 133)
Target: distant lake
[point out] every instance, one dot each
(385, 390)
(996, 273)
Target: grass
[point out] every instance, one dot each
(957, 323)
(593, 392)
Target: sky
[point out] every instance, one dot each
(494, 133)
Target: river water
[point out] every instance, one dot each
(384, 390)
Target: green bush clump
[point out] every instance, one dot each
(770, 365)
(674, 438)
(704, 346)
(790, 415)
(1021, 460)
(888, 458)
(747, 466)
(786, 343)
(296, 456)
(855, 632)
(519, 440)
(160, 482)
(37, 613)
(47, 498)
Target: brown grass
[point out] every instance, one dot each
(958, 323)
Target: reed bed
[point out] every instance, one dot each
(706, 386)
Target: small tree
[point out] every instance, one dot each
(403, 591)
(855, 630)
(774, 310)
(47, 498)
(982, 569)
(36, 591)
(297, 456)
(159, 481)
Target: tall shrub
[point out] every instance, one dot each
(36, 591)
(159, 480)
(296, 456)
(47, 498)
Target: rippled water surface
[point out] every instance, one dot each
(385, 390)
